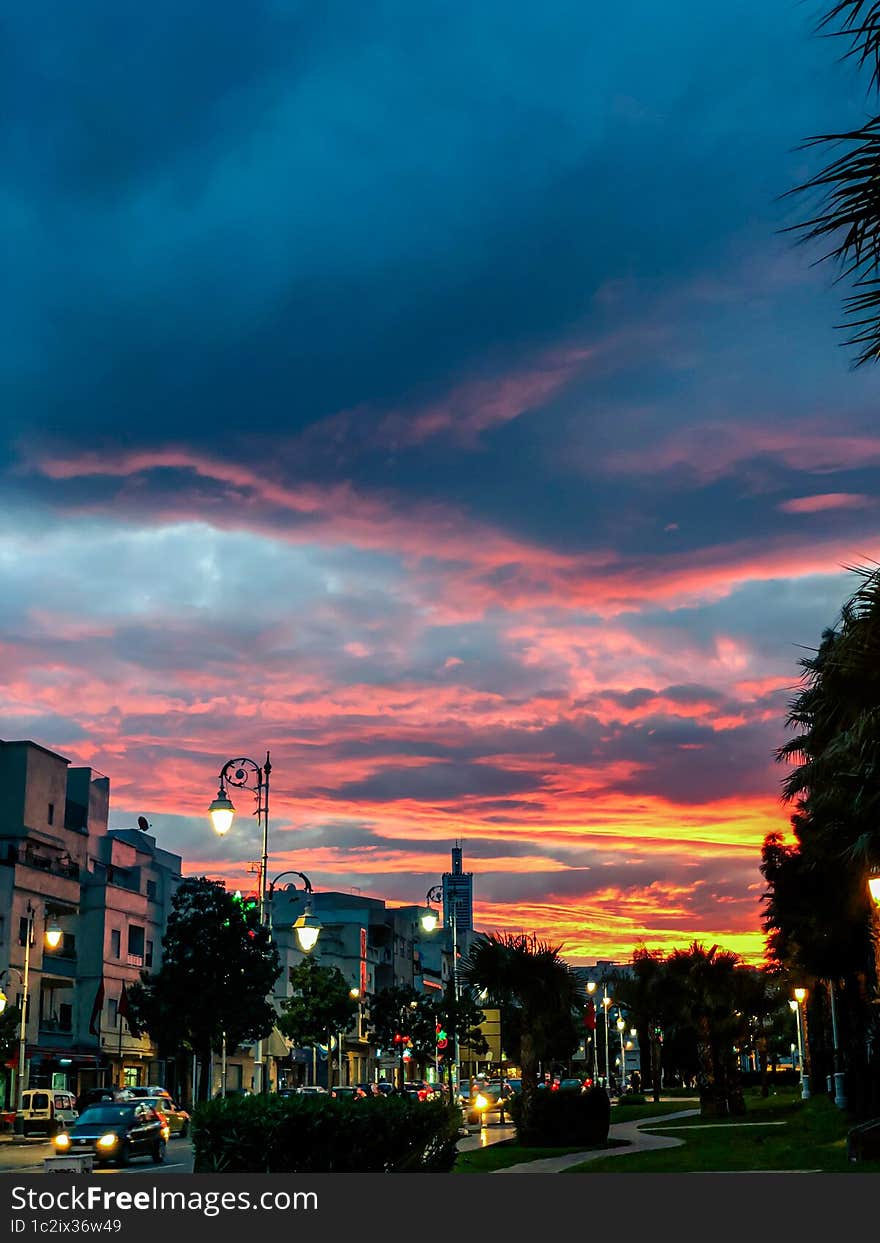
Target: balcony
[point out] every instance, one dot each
(60, 964)
(27, 856)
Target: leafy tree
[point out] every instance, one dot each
(218, 970)
(847, 214)
(321, 1005)
(521, 974)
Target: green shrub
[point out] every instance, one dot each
(563, 1119)
(320, 1135)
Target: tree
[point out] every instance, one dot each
(706, 991)
(531, 983)
(321, 1005)
(817, 913)
(847, 215)
(218, 970)
(646, 995)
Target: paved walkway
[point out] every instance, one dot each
(625, 1133)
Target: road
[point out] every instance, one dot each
(26, 1157)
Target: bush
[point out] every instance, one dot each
(323, 1135)
(564, 1119)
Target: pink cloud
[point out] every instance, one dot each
(825, 500)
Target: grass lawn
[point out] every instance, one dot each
(812, 1137)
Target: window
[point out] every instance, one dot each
(115, 943)
(151, 890)
(65, 1017)
(23, 930)
(136, 940)
(51, 814)
(148, 954)
(112, 1007)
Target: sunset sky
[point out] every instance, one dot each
(427, 393)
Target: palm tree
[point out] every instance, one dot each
(647, 996)
(519, 972)
(704, 986)
(848, 212)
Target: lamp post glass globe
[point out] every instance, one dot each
(4, 1001)
(793, 1005)
(429, 921)
(53, 935)
(307, 928)
(591, 986)
(221, 811)
(800, 993)
(620, 1025)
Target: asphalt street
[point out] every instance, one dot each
(27, 1157)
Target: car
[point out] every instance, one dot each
(344, 1092)
(151, 1090)
(116, 1132)
(178, 1119)
(569, 1085)
(486, 1097)
(311, 1089)
(44, 1111)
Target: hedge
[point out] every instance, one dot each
(561, 1119)
(322, 1135)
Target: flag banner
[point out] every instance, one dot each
(590, 1016)
(97, 1007)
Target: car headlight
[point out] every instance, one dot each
(108, 1141)
(62, 1140)
(480, 1101)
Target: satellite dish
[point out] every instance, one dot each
(143, 823)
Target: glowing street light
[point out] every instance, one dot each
(795, 1005)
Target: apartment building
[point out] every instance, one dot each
(107, 890)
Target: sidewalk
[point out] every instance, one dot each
(625, 1133)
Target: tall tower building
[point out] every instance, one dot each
(458, 896)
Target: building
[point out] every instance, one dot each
(458, 897)
(107, 891)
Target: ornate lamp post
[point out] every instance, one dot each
(429, 922)
(245, 774)
(620, 1028)
(306, 926)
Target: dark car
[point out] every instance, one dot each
(344, 1092)
(116, 1131)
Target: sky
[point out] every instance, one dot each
(430, 395)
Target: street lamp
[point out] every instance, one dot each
(606, 1002)
(52, 935)
(795, 1005)
(307, 926)
(429, 923)
(246, 774)
(620, 1028)
(591, 988)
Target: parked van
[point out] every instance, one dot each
(45, 1112)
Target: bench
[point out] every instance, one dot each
(863, 1141)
